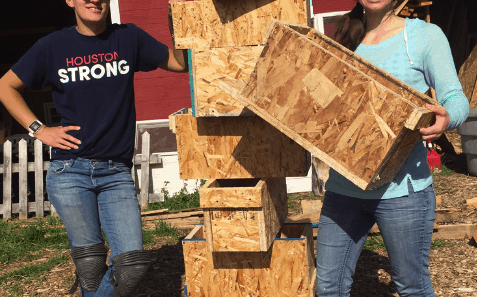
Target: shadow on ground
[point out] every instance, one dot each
(373, 276)
(165, 275)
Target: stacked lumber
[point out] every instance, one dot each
(413, 9)
(180, 219)
(237, 252)
(358, 119)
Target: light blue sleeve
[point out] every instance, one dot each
(440, 73)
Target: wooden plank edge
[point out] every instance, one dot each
(234, 93)
(458, 231)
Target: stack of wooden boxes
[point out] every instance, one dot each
(243, 248)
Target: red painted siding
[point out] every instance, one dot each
(321, 6)
(158, 93)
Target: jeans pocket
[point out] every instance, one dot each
(120, 167)
(58, 166)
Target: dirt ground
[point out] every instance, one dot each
(453, 264)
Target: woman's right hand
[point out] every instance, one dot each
(57, 137)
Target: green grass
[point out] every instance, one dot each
(374, 242)
(27, 272)
(292, 204)
(181, 200)
(444, 171)
(440, 243)
(162, 229)
(17, 241)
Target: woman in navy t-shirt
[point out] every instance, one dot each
(90, 68)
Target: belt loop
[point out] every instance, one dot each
(111, 165)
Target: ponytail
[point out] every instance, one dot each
(350, 29)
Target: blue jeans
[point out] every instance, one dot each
(406, 226)
(88, 195)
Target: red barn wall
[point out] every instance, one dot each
(159, 93)
(321, 6)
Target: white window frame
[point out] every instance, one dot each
(148, 124)
(47, 108)
(319, 19)
(114, 9)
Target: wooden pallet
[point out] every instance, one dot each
(355, 117)
(243, 214)
(235, 147)
(287, 269)
(211, 23)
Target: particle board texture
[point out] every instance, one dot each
(468, 77)
(355, 117)
(224, 23)
(286, 269)
(243, 215)
(235, 147)
(212, 65)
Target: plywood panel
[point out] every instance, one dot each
(221, 23)
(239, 228)
(213, 65)
(342, 115)
(287, 269)
(235, 147)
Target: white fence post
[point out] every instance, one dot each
(145, 169)
(7, 179)
(22, 180)
(39, 198)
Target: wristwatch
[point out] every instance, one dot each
(34, 127)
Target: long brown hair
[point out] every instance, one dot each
(351, 29)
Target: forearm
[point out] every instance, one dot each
(457, 106)
(13, 101)
(181, 57)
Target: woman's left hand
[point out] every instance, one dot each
(442, 121)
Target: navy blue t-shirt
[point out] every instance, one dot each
(92, 81)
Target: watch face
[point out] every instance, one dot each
(35, 126)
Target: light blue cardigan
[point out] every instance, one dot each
(420, 56)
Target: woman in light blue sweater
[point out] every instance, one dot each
(417, 53)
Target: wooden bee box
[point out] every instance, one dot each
(355, 117)
(235, 147)
(243, 214)
(224, 23)
(287, 269)
(212, 65)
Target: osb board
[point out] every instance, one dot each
(231, 193)
(212, 65)
(377, 74)
(247, 229)
(287, 269)
(338, 113)
(225, 23)
(468, 77)
(235, 147)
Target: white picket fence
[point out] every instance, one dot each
(38, 166)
